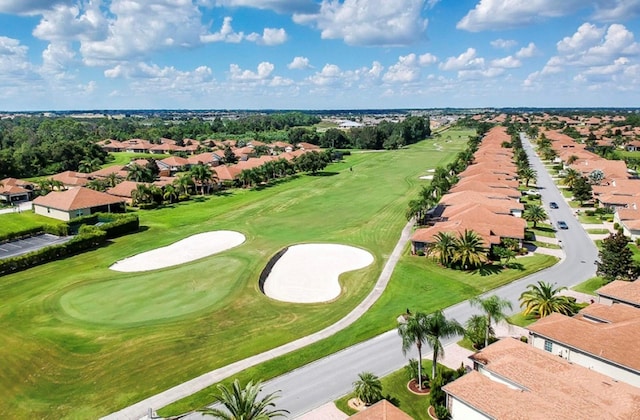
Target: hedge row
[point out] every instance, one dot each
(89, 236)
(86, 239)
(19, 234)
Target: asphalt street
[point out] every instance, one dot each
(327, 379)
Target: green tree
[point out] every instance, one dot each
(596, 176)
(139, 173)
(527, 174)
(436, 327)
(616, 259)
(535, 214)
(245, 404)
(469, 252)
(582, 190)
(493, 308)
(443, 248)
(170, 193)
(542, 299)
(229, 157)
(571, 177)
(475, 330)
(203, 175)
(89, 165)
(368, 388)
(413, 331)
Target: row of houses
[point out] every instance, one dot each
(485, 199)
(72, 199)
(619, 189)
(571, 368)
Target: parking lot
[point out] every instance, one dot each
(22, 246)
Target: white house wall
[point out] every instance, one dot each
(461, 411)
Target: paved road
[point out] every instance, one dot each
(327, 379)
(33, 243)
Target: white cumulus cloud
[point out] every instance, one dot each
(299, 63)
(466, 60)
(368, 22)
(264, 71)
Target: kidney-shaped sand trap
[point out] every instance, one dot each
(308, 273)
(188, 249)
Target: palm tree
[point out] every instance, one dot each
(534, 214)
(170, 193)
(542, 299)
(475, 328)
(113, 179)
(139, 173)
(202, 175)
(527, 174)
(493, 308)
(368, 388)
(245, 177)
(469, 252)
(183, 183)
(444, 248)
(572, 159)
(436, 326)
(89, 165)
(571, 177)
(142, 194)
(413, 331)
(244, 404)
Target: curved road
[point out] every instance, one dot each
(327, 379)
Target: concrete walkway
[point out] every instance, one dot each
(141, 409)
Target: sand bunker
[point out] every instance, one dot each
(308, 273)
(192, 248)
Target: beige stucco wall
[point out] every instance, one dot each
(461, 411)
(59, 214)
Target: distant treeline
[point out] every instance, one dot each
(37, 146)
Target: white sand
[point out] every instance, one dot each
(308, 273)
(192, 248)
(427, 177)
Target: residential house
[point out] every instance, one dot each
(76, 202)
(619, 291)
(629, 220)
(513, 380)
(13, 190)
(603, 338)
(207, 158)
(124, 190)
(173, 164)
(72, 179)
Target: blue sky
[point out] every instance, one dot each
(310, 54)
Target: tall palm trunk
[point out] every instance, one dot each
(419, 345)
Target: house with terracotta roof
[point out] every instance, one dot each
(513, 380)
(13, 190)
(382, 410)
(72, 179)
(124, 190)
(76, 202)
(207, 158)
(603, 338)
(629, 220)
(619, 291)
(173, 164)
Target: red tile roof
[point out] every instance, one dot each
(76, 199)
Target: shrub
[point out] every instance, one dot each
(412, 371)
(616, 226)
(590, 212)
(441, 412)
(437, 396)
(524, 339)
(420, 253)
(19, 234)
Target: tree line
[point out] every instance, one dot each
(39, 146)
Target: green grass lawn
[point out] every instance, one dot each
(595, 220)
(80, 341)
(521, 320)
(122, 158)
(540, 244)
(12, 222)
(598, 231)
(417, 283)
(590, 286)
(542, 229)
(394, 388)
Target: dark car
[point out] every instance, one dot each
(553, 205)
(562, 224)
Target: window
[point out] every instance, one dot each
(548, 345)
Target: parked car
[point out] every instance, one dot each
(562, 224)
(553, 205)
(531, 192)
